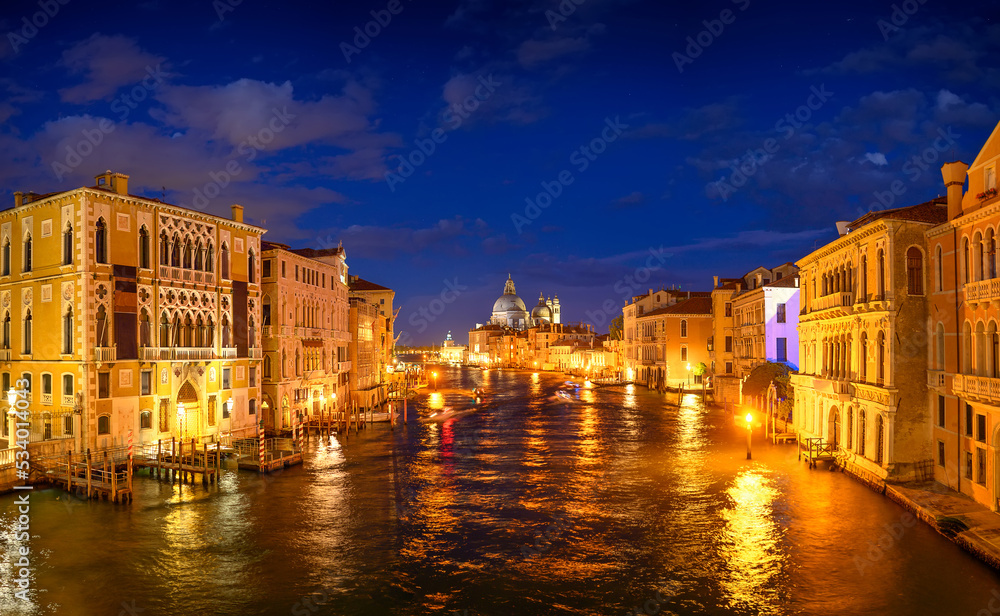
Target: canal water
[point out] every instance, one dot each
(621, 503)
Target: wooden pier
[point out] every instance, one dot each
(817, 450)
(100, 477)
(278, 453)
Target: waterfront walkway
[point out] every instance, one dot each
(969, 524)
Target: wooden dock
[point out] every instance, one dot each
(817, 450)
(97, 478)
(278, 453)
(176, 460)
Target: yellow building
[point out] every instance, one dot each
(964, 359)
(305, 313)
(129, 315)
(862, 383)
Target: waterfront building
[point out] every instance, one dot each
(862, 383)
(963, 362)
(509, 310)
(372, 342)
(128, 316)
(673, 340)
(451, 352)
(306, 337)
(644, 341)
(765, 321)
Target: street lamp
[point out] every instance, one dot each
(689, 372)
(435, 375)
(11, 414)
(749, 424)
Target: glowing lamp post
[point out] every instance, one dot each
(689, 373)
(11, 414)
(180, 417)
(435, 375)
(749, 424)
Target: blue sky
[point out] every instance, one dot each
(420, 142)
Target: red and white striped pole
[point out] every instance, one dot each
(129, 444)
(260, 438)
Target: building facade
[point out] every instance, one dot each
(765, 325)
(129, 316)
(305, 314)
(963, 360)
(862, 384)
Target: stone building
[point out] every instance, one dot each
(963, 360)
(305, 314)
(642, 342)
(372, 342)
(672, 340)
(862, 384)
(128, 315)
(765, 318)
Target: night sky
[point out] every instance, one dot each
(418, 143)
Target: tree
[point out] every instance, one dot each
(762, 376)
(700, 369)
(617, 327)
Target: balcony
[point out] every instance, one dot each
(227, 353)
(310, 332)
(935, 378)
(186, 275)
(46, 398)
(255, 353)
(981, 388)
(105, 354)
(840, 303)
(176, 353)
(982, 292)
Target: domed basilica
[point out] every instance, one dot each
(509, 310)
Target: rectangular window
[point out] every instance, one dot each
(940, 453)
(103, 384)
(968, 465)
(67, 385)
(782, 348)
(968, 420)
(981, 428)
(296, 273)
(941, 411)
(225, 408)
(146, 382)
(781, 313)
(211, 410)
(6, 382)
(252, 406)
(729, 309)
(266, 272)
(729, 344)
(980, 466)
(68, 425)
(729, 367)
(283, 270)
(225, 378)
(164, 417)
(990, 177)
(684, 353)
(253, 376)
(47, 384)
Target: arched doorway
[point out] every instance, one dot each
(833, 436)
(286, 415)
(188, 407)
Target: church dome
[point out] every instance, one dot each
(541, 311)
(508, 303)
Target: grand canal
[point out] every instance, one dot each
(525, 506)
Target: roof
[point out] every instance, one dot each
(934, 212)
(360, 284)
(266, 245)
(312, 253)
(695, 305)
(787, 281)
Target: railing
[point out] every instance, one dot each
(980, 387)
(7, 457)
(4, 354)
(935, 378)
(267, 331)
(192, 353)
(105, 354)
(255, 352)
(227, 353)
(68, 400)
(982, 290)
(840, 299)
(46, 398)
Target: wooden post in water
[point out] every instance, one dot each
(69, 471)
(173, 458)
(89, 470)
(194, 463)
(218, 460)
(159, 442)
(204, 462)
(114, 478)
(106, 463)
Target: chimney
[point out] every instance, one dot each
(953, 174)
(237, 212)
(117, 182)
(650, 291)
(18, 199)
(796, 282)
(715, 281)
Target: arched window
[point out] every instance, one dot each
(251, 267)
(175, 337)
(6, 330)
(175, 251)
(210, 258)
(297, 370)
(224, 262)
(939, 269)
(104, 424)
(101, 241)
(862, 431)
(143, 247)
(225, 332)
(993, 350)
(881, 274)
(965, 260)
(251, 332)
(266, 311)
(146, 420)
(939, 345)
(188, 254)
(991, 254)
(684, 328)
(863, 278)
(199, 332)
(27, 254)
(879, 439)
(188, 335)
(880, 374)
(977, 240)
(981, 348)
(199, 257)
(210, 332)
(68, 332)
(144, 329)
(267, 366)
(164, 331)
(914, 271)
(164, 248)
(850, 428)
(102, 327)
(68, 245)
(27, 333)
(967, 348)
(6, 256)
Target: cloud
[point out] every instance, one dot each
(454, 237)
(876, 158)
(510, 102)
(107, 63)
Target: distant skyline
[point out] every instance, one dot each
(592, 148)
